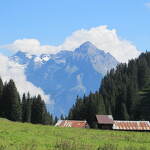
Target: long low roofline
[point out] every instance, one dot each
(72, 123)
(131, 125)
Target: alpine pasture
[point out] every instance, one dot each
(25, 136)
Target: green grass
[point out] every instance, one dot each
(24, 136)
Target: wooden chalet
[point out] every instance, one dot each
(105, 121)
(72, 123)
(131, 125)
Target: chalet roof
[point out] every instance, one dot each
(104, 119)
(131, 125)
(72, 123)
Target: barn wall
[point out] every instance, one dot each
(105, 126)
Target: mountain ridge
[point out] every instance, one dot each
(67, 74)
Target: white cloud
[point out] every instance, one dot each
(147, 4)
(31, 46)
(102, 37)
(105, 39)
(11, 70)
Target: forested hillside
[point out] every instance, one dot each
(124, 93)
(27, 109)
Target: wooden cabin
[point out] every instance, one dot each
(131, 125)
(72, 123)
(105, 122)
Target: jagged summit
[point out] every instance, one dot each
(85, 47)
(89, 49)
(87, 44)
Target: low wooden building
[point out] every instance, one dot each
(131, 125)
(105, 122)
(72, 123)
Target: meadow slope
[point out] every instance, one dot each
(24, 136)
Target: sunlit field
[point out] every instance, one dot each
(24, 136)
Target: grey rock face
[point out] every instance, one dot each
(68, 73)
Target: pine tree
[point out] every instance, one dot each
(62, 117)
(48, 119)
(24, 108)
(5, 104)
(100, 105)
(1, 100)
(55, 120)
(11, 102)
(29, 102)
(38, 110)
(1, 87)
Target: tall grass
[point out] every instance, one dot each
(71, 145)
(115, 147)
(24, 136)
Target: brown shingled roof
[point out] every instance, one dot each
(104, 119)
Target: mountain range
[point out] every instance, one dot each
(67, 74)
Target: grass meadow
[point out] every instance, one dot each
(25, 136)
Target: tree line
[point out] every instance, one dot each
(124, 93)
(25, 109)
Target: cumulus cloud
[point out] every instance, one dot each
(147, 4)
(31, 46)
(102, 37)
(105, 39)
(12, 70)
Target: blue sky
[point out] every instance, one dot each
(51, 21)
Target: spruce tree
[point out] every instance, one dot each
(38, 111)
(62, 117)
(1, 100)
(11, 102)
(24, 105)
(29, 102)
(55, 120)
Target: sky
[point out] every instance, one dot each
(120, 27)
(51, 21)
